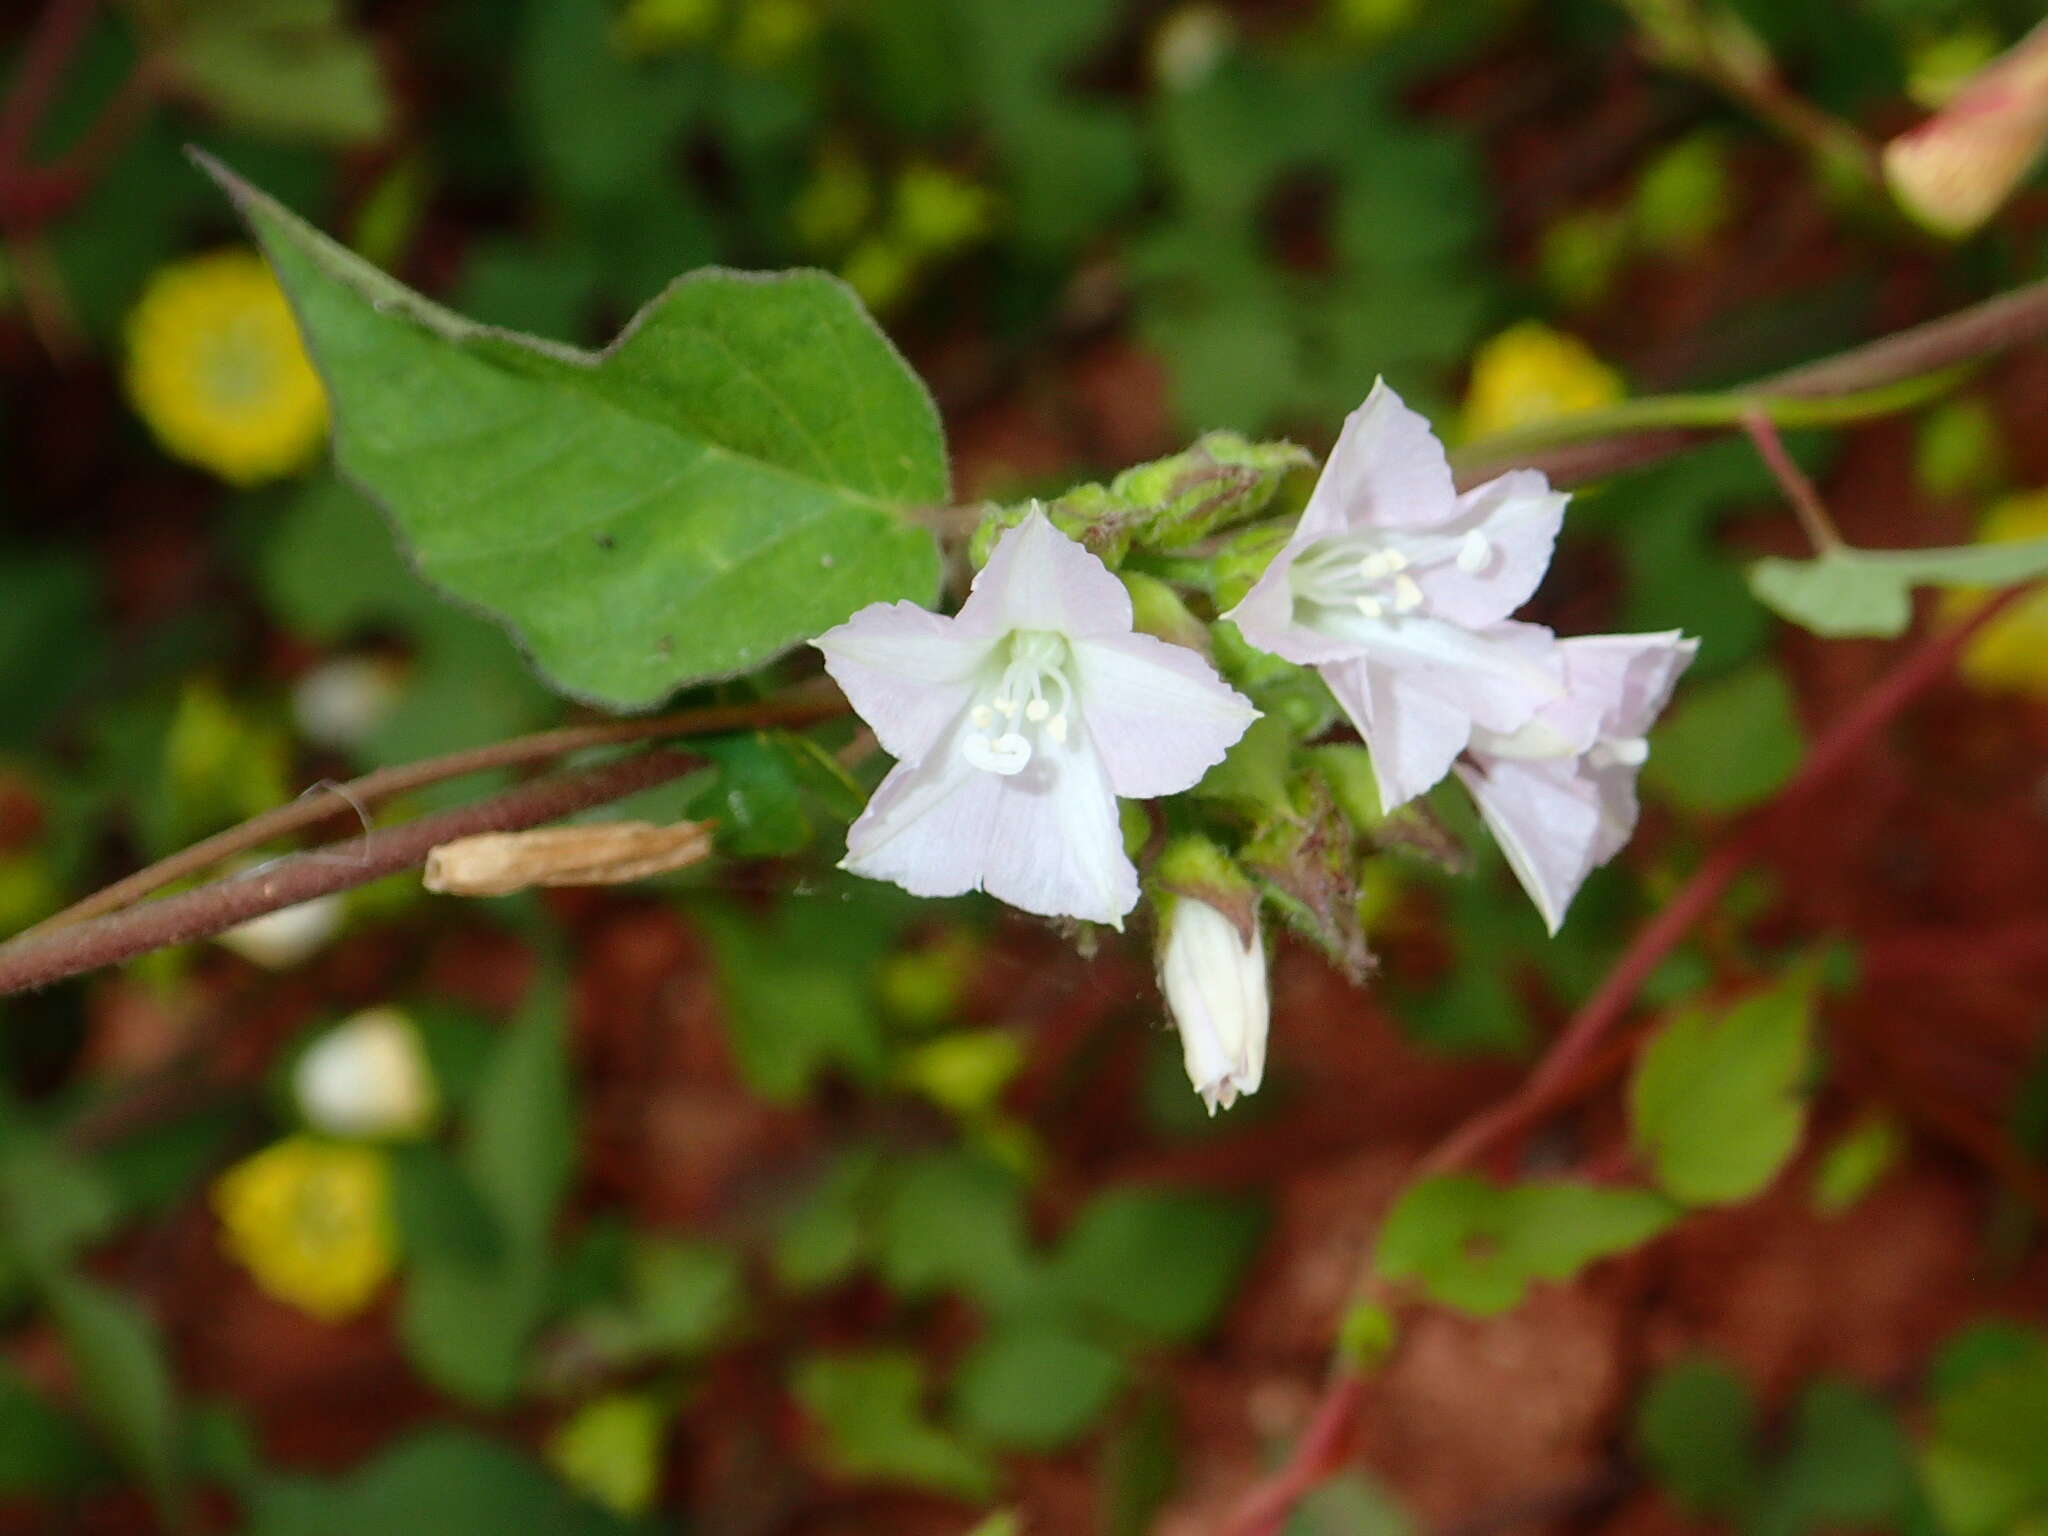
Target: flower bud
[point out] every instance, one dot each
(1957, 169)
(1214, 976)
(366, 1078)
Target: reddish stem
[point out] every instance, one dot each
(1564, 1071)
(58, 32)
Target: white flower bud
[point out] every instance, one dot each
(366, 1078)
(279, 940)
(1215, 986)
(340, 702)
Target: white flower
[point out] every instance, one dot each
(1214, 978)
(1017, 724)
(366, 1078)
(1388, 582)
(279, 940)
(1559, 793)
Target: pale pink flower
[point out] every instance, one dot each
(1016, 726)
(1559, 792)
(1390, 579)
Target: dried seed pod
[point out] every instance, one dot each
(607, 853)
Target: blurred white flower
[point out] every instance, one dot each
(340, 702)
(1214, 978)
(279, 940)
(367, 1078)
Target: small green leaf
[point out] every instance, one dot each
(124, 1376)
(1161, 1263)
(467, 1316)
(1696, 1426)
(1729, 744)
(1986, 1463)
(282, 68)
(1478, 1246)
(1850, 592)
(1848, 1467)
(870, 1416)
(728, 480)
(1860, 1157)
(435, 1482)
(41, 1450)
(1035, 1386)
(1714, 1106)
(953, 1220)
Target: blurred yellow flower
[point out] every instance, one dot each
(879, 271)
(216, 368)
(311, 1221)
(2011, 655)
(611, 1450)
(1531, 373)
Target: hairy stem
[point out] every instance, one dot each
(800, 706)
(286, 882)
(1886, 375)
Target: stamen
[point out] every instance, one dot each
(1037, 710)
(1473, 552)
(982, 716)
(1056, 728)
(1407, 594)
(1371, 607)
(1006, 706)
(1006, 755)
(1628, 751)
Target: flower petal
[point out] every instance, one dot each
(1546, 821)
(1632, 674)
(1045, 839)
(1038, 578)
(1387, 471)
(906, 672)
(1512, 522)
(1412, 733)
(1159, 714)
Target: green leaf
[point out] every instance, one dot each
(727, 480)
(436, 1482)
(1870, 591)
(1857, 1161)
(799, 989)
(41, 1450)
(1035, 1386)
(1161, 1263)
(1696, 1427)
(1848, 1467)
(52, 1203)
(1714, 1105)
(1729, 744)
(870, 1417)
(825, 1235)
(123, 1375)
(1478, 1246)
(954, 1220)
(1986, 1464)
(467, 1317)
(282, 68)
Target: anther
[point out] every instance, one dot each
(1037, 710)
(982, 716)
(1056, 728)
(1407, 594)
(1371, 607)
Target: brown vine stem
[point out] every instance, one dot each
(1806, 504)
(803, 705)
(1564, 1069)
(1969, 335)
(298, 877)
